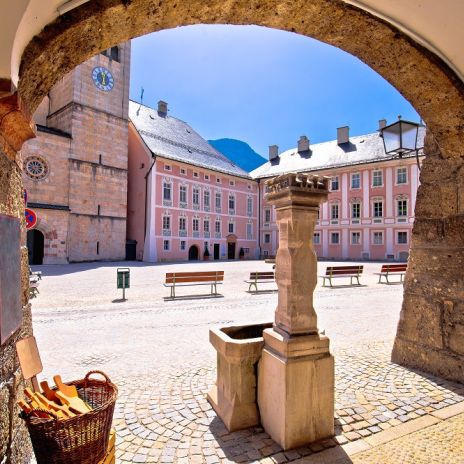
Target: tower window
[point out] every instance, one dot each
(112, 53)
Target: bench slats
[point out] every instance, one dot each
(394, 267)
(186, 279)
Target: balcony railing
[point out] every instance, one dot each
(206, 234)
(231, 211)
(218, 210)
(196, 233)
(218, 235)
(167, 202)
(183, 204)
(167, 232)
(196, 206)
(207, 208)
(182, 233)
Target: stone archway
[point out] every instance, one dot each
(432, 314)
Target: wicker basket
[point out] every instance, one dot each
(82, 439)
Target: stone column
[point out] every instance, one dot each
(296, 371)
(15, 129)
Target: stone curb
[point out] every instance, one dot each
(341, 454)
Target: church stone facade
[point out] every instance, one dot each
(75, 171)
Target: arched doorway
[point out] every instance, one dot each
(423, 78)
(35, 246)
(231, 246)
(193, 253)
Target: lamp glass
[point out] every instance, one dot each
(392, 138)
(409, 135)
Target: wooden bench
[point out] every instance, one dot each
(186, 279)
(260, 278)
(37, 274)
(388, 270)
(33, 288)
(332, 272)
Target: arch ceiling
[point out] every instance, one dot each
(435, 25)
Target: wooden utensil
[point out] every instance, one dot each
(73, 403)
(68, 396)
(48, 392)
(29, 360)
(68, 390)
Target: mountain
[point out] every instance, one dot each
(239, 152)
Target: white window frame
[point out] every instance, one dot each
(332, 236)
(206, 176)
(397, 237)
(183, 189)
(377, 171)
(184, 242)
(359, 234)
(167, 167)
(182, 219)
(231, 223)
(168, 242)
(206, 194)
(183, 171)
(266, 212)
(217, 196)
(206, 225)
(196, 174)
(359, 181)
(167, 218)
(250, 205)
(318, 235)
(231, 197)
(373, 207)
(196, 196)
(398, 169)
(217, 229)
(358, 203)
(374, 232)
(405, 200)
(195, 224)
(165, 185)
(267, 238)
(332, 181)
(335, 206)
(249, 231)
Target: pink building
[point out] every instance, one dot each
(184, 196)
(370, 211)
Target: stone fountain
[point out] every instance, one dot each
(294, 398)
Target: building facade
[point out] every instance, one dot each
(75, 170)
(185, 197)
(370, 210)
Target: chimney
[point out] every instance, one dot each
(382, 123)
(273, 152)
(343, 135)
(162, 108)
(303, 144)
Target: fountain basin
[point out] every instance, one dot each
(234, 396)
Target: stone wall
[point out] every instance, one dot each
(431, 329)
(14, 439)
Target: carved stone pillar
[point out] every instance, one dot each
(296, 371)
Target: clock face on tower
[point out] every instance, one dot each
(103, 78)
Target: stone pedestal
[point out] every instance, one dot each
(296, 371)
(234, 395)
(297, 404)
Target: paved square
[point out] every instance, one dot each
(157, 352)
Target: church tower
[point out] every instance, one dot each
(80, 198)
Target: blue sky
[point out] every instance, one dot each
(259, 85)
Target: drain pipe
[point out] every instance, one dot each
(259, 218)
(146, 197)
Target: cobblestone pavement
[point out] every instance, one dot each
(441, 443)
(157, 352)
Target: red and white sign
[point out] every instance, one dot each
(31, 218)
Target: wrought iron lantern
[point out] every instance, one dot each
(401, 138)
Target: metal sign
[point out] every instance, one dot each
(31, 218)
(123, 280)
(10, 276)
